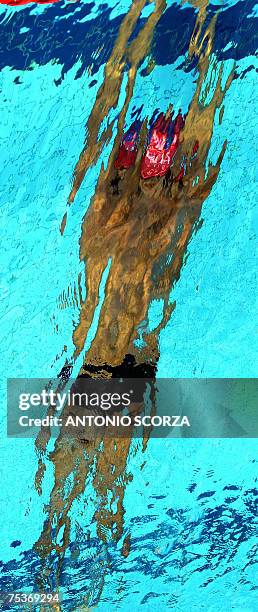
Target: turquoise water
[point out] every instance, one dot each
(194, 528)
